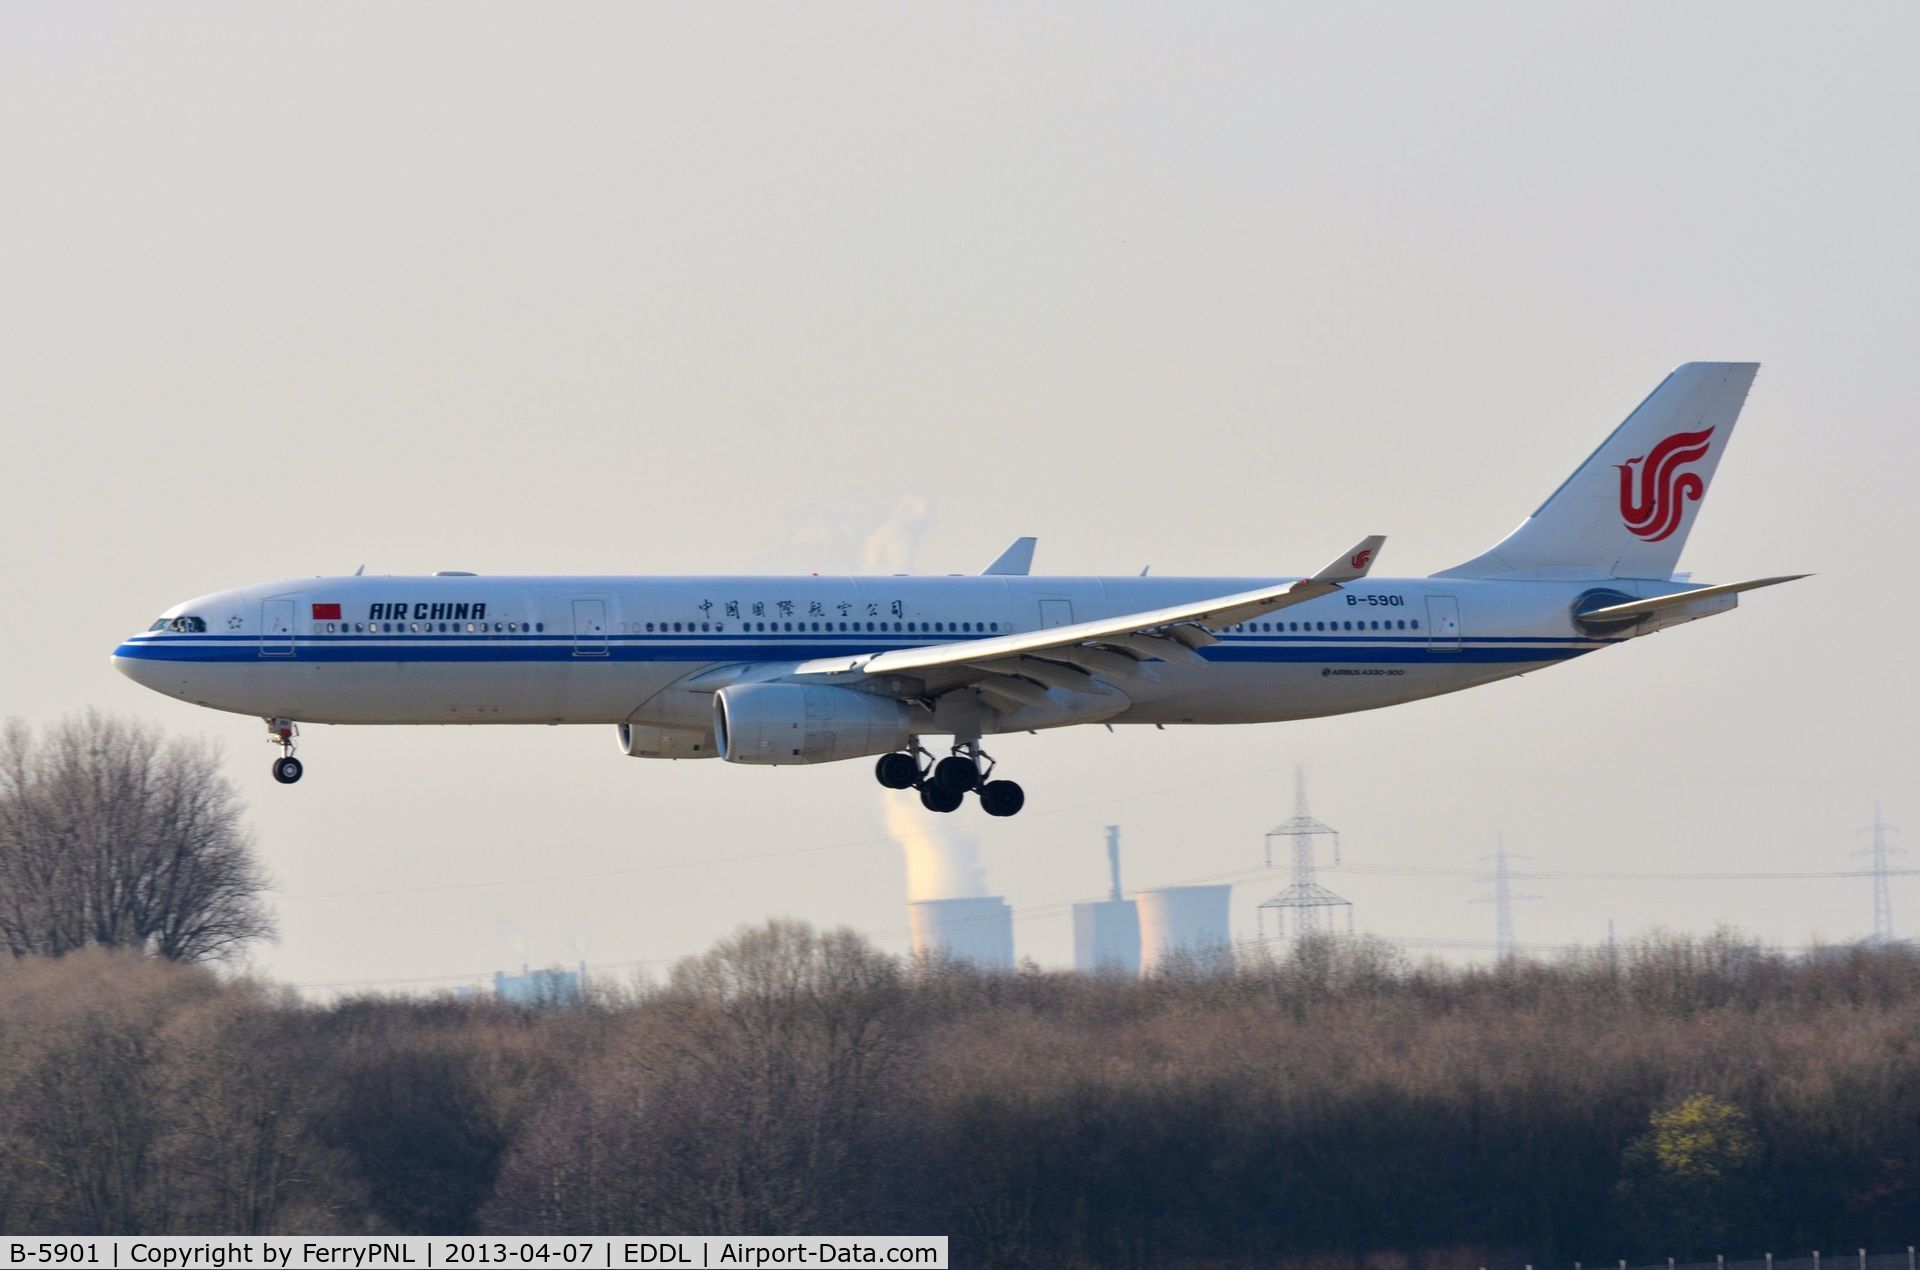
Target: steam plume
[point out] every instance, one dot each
(939, 866)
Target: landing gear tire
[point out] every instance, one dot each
(897, 771)
(934, 798)
(281, 732)
(1002, 798)
(956, 774)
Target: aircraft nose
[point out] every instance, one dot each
(127, 661)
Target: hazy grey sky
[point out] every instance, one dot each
(289, 289)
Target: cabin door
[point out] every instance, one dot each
(276, 628)
(589, 628)
(1443, 624)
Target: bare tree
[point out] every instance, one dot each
(112, 836)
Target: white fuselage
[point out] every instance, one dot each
(470, 649)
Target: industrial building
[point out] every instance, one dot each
(977, 931)
(1183, 925)
(540, 987)
(1106, 933)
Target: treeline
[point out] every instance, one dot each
(1335, 1108)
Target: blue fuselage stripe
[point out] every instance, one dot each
(422, 649)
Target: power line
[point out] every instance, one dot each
(946, 829)
(1555, 875)
(1622, 875)
(1056, 908)
(1031, 912)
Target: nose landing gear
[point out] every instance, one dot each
(286, 769)
(945, 785)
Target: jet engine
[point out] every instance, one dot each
(641, 740)
(799, 723)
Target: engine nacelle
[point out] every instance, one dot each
(798, 723)
(641, 740)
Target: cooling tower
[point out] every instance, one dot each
(1182, 922)
(1106, 934)
(976, 931)
(1106, 937)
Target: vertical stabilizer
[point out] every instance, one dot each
(1627, 510)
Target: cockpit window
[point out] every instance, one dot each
(160, 625)
(188, 626)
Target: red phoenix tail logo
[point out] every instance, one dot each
(1360, 558)
(1653, 510)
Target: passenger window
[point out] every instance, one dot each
(1416, 623)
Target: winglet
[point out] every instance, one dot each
(1355, 564)
(1016, 560)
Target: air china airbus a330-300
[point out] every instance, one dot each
(794, 670)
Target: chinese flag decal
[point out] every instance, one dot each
(326, 612)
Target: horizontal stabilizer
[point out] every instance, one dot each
(1634, 610)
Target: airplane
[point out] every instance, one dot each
(773, 671)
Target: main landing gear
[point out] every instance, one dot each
(945, 785)
(286, 769)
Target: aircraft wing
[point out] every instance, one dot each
(1065, 656)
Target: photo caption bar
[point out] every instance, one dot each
(294, 1252)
